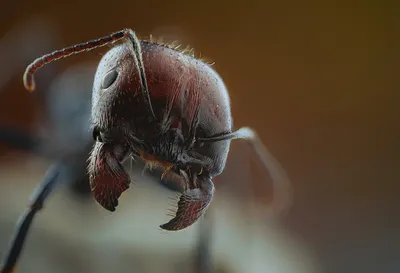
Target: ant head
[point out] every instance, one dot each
(121, 97)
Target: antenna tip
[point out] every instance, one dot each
(29, 83)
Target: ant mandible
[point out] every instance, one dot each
(159, 104)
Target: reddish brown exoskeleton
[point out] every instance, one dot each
(167, 108)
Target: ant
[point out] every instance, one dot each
(161, 105)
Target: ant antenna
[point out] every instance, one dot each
(281, 182)
(29, 81)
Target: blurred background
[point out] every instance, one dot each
(316, 80)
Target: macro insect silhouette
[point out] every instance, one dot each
(156, 103)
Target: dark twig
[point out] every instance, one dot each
(45, 188)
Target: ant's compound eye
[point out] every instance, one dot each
(109, 79)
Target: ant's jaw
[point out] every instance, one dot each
(108, 178)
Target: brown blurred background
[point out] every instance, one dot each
(316, 80)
